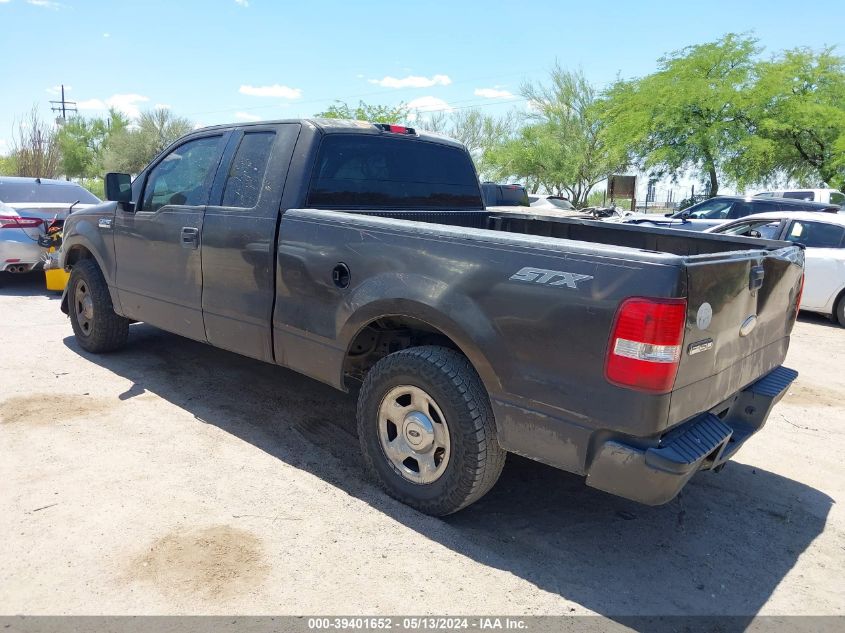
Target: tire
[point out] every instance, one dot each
(96, 326)
(839, 310)
(456, 415)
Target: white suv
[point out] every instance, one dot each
(828, 196)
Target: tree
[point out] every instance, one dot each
(83, 143)
(691, 113)
(367, 112)
(562, 149)
(799, 121)
(131, 148)
(8, 165)
(35, 151)
(477, 131)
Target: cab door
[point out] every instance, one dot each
(157, 245)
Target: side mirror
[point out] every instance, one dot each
(119, 187)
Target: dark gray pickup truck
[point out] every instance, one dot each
(362, 255)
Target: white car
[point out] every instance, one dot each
(823, 235)
(27, 207)
(827, 196)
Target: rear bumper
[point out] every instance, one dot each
(653, 475)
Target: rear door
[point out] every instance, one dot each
(825, 271)
(238, 238)
(157, 246)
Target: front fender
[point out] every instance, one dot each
(82, 231)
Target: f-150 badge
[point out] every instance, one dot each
(550, 277)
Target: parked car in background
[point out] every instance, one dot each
(827, 196)
(29, 205)
(716, 210)
(19, 249)
(496, 195)
(823, 236)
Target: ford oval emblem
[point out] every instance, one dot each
(748, 325)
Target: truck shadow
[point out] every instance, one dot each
(720, 548)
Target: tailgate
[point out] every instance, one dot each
(740, 312)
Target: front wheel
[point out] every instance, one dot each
(95, 324)
(427, 431)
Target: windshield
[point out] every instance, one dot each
(767, 229)
(32, 191)
(707, 210)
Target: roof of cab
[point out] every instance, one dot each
(329, 126)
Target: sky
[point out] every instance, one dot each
(218, 61)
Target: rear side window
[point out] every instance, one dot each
(816, 234)
(246, 174)
(357, 171)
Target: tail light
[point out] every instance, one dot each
(645, 344)
(16, 222)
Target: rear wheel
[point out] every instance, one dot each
(427, 431)
(839, 310)
(95, 324)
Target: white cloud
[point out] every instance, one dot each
(128, 104)
(246, 116)
(429, 104)
(106, 34)
(242, 3)
(91, 104)
(412, 81)
(493, 93)
(45, 4)
(271, 91)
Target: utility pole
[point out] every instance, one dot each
(64, 106)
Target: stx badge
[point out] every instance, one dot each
(550, 277)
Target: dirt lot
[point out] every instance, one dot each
(175, 478)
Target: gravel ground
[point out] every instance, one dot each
(173, 478)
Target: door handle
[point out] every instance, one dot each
(190, 237)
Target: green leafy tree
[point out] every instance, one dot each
(83, 143)
(562, 148)
(367, 112)
(799, 121)
(690, 114)
(478, 132)
(132, 147)
(8, 165)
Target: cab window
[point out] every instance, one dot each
(816, 234)
(246, 175)
(181, 179)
